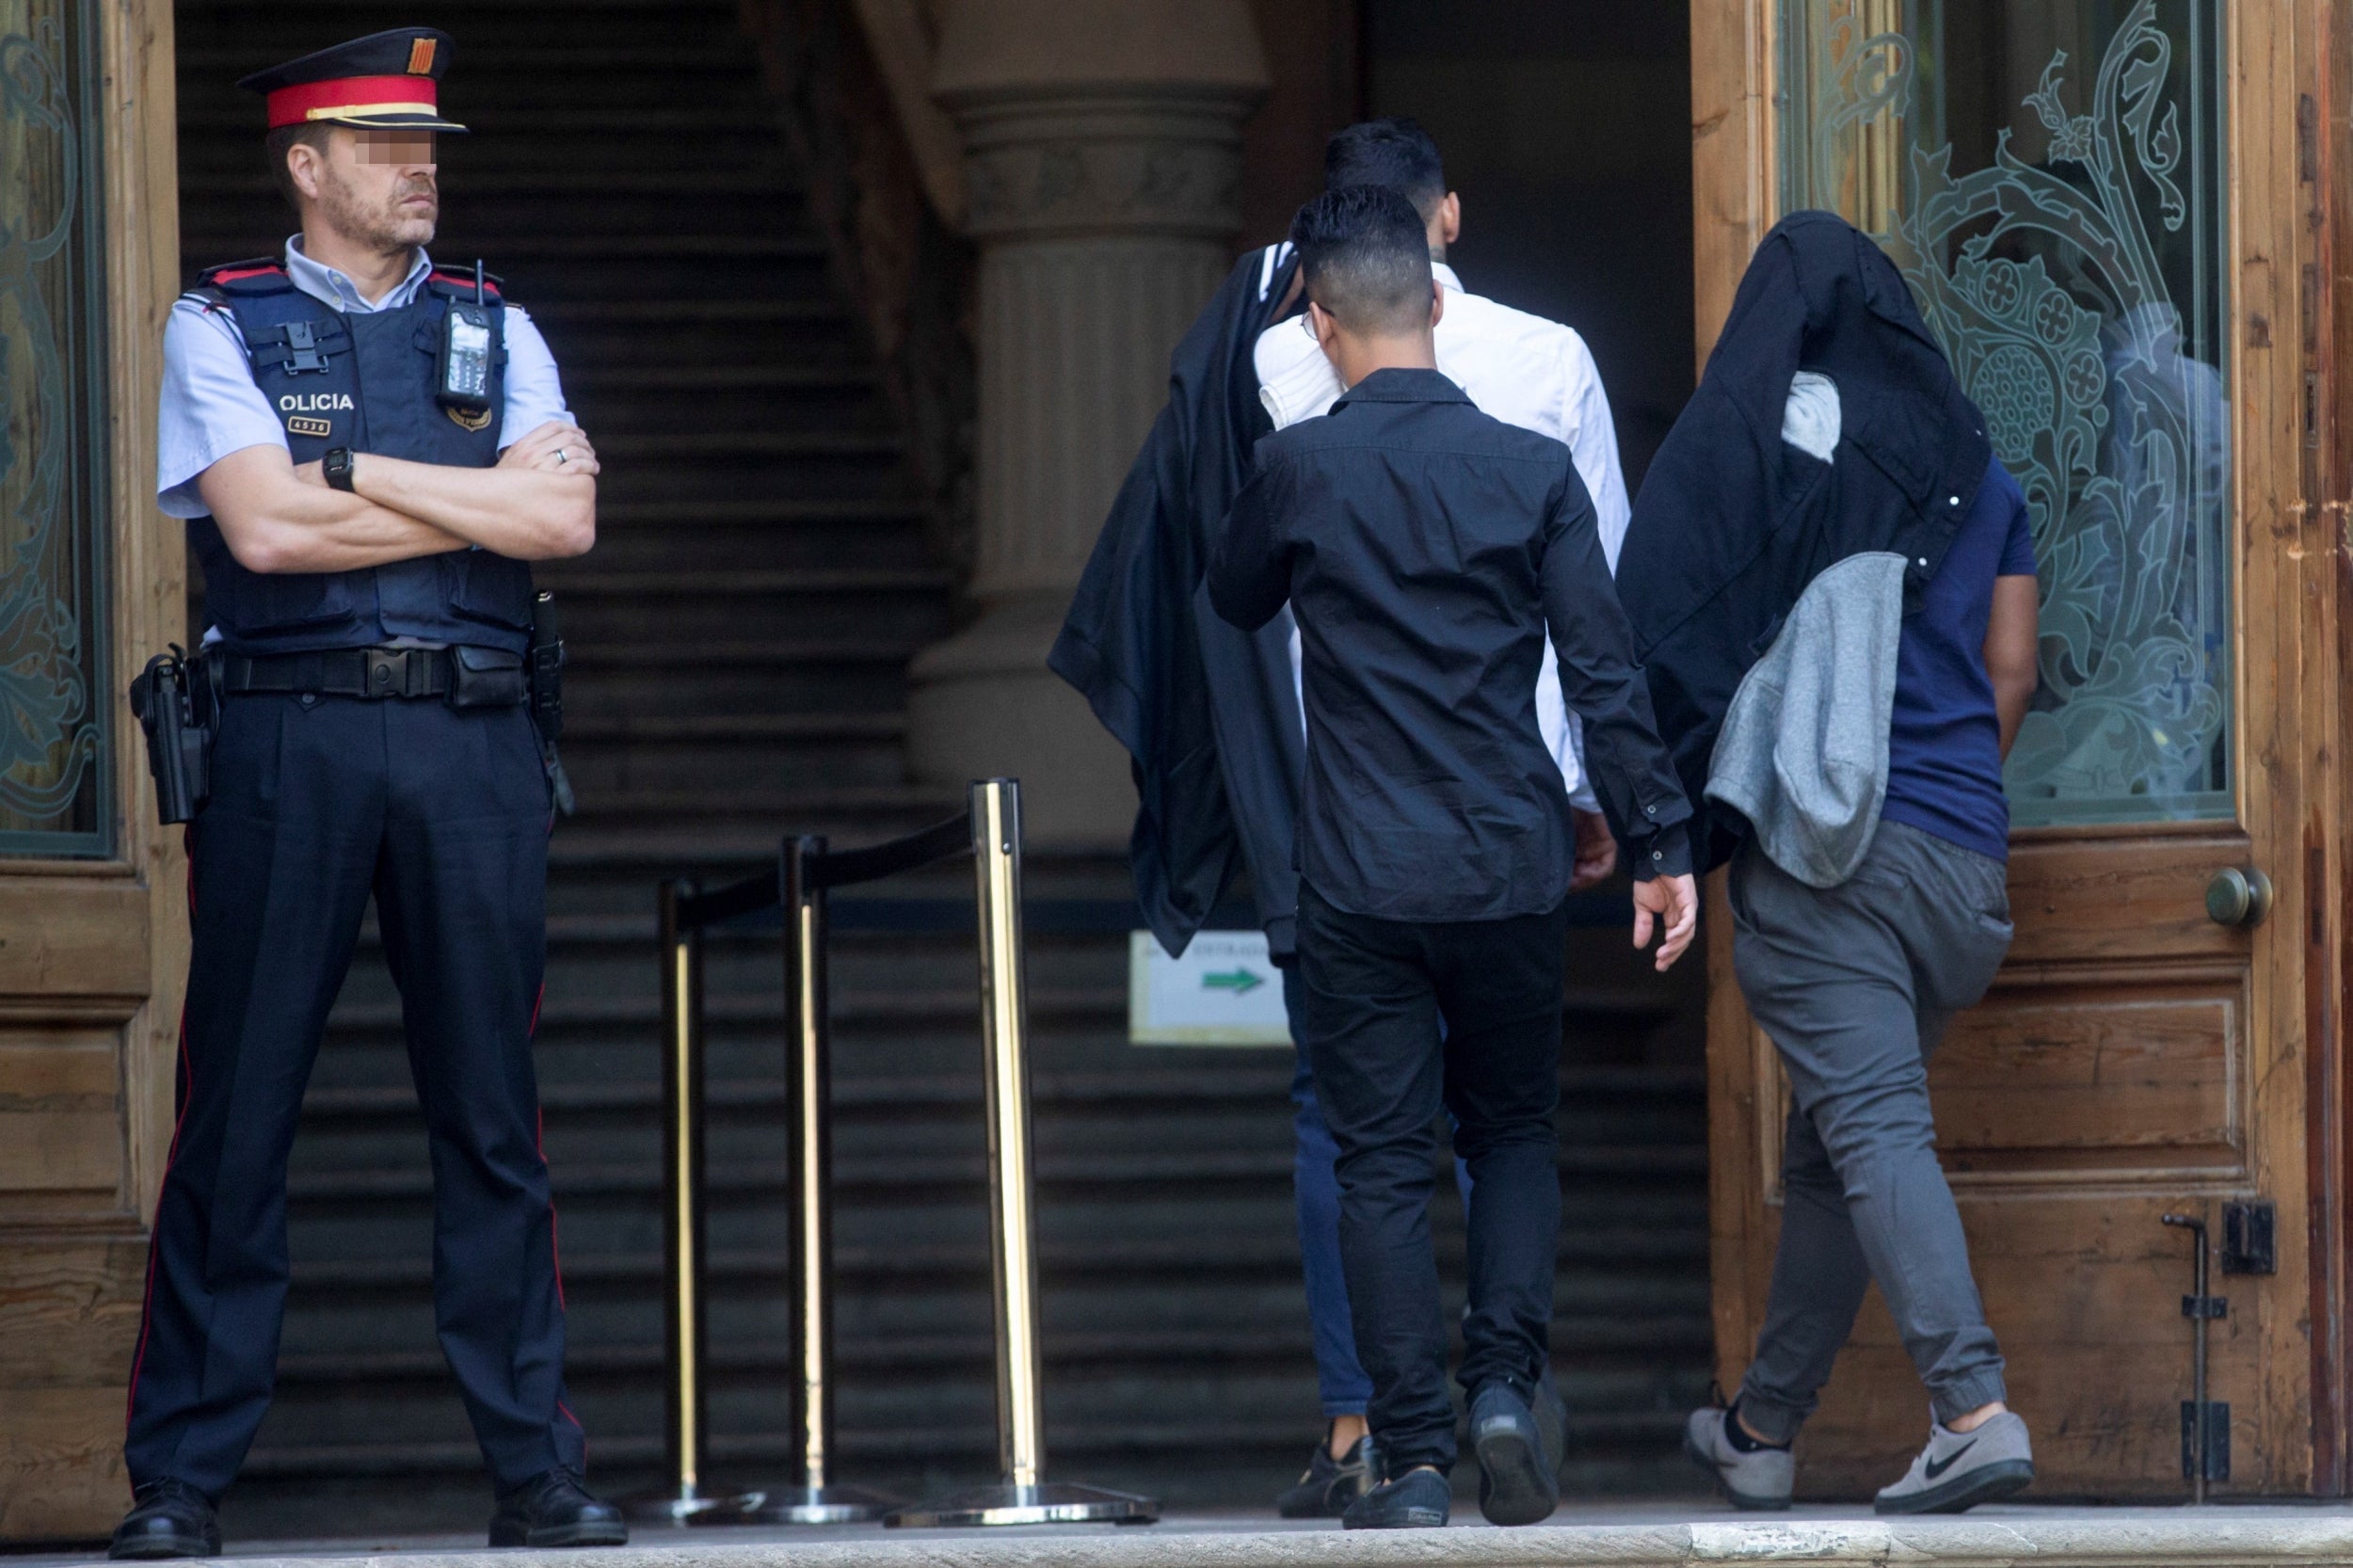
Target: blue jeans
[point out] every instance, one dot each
(1340, 1378)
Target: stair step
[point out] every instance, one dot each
(578, 583)
(853, 1354)
(644, 379)
(900, 1006)
(586, 63)
(609, 314)
(1101, 1175)
(557, 181)
(910, 1443)
(1241, 1084)
(696, 446)
(1120, 1253)
(740, 729)
(239, 120)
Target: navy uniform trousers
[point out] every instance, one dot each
(317, 802)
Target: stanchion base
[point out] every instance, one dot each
(801, 1505)
(1048, 1503)
(678, 1505)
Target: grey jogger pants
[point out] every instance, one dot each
(1855, 985)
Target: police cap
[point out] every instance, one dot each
(383, 82)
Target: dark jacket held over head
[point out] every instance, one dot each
(1207, 712)
(1731, 524)
(1425, 547)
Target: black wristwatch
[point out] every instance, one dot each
(336, 465)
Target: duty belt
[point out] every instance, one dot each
(362, 672)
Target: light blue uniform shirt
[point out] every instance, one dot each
(211, 406)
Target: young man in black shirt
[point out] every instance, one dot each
(1425, 548)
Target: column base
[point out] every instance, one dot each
(984, 705)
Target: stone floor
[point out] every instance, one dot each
(1663, 1535)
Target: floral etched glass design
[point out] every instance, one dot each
(2049, 175)
(55, 683)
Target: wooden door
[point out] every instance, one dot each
(92, 941)
(2111, 212)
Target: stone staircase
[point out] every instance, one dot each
(739, 643)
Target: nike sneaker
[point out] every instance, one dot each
(1959, 1470)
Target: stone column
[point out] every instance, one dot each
(1102, 158)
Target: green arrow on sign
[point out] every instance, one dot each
(1241, 982)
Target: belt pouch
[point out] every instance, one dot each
(485, 678)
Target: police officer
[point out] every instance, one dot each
(365, 481)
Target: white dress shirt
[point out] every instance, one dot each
(211, 406)
(1516, 367)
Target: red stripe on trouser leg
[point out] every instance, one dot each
(556, 1229)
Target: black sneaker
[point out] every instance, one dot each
(1330, 1484)
(1552, 1422)
(1519, 1477)
(553, 1509)
(1418, 1500)
(168, 1518)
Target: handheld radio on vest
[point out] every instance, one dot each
(465, 368)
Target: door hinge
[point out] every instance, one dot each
(2217, 1440)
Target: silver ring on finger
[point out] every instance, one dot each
(562, 456)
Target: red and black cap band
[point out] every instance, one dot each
(386, 81)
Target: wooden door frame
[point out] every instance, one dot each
(2291, 240)
(2327, 82)
(103, 943)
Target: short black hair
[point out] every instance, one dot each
(310, 133)
(1366, 258)
(1395, 153)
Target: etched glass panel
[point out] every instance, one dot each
(2049, 174)
(55, 683)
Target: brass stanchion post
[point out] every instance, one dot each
(809, 1498)
(1024, 1496)
(681, 959)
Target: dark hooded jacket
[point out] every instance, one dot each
(1207, 714)
(1731, 524)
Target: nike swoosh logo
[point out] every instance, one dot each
(1934, 1468)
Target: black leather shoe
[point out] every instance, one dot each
(1330, 1484)
(553, 1509)
(1418, 1500)
(168, 1518)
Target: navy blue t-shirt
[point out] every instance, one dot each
(1943, 738)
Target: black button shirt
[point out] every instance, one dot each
(1424, 548)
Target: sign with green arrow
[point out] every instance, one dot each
(1221, 991)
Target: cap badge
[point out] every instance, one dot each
(421, 57)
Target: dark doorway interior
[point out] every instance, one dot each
(1566, 127)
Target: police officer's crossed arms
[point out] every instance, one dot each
(370, 202)
(370, 452)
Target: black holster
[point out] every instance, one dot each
(176, 705)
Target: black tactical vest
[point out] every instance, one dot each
(364, 381)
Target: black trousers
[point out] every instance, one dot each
(1374, 992)
(316, 803)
